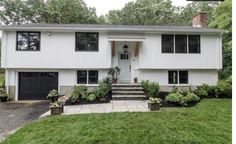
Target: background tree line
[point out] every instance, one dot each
(141, 12)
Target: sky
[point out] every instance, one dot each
(103, 6)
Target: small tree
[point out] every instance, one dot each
(114, 72)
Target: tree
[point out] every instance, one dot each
(46, 11)
(222, 19)
(143, 12)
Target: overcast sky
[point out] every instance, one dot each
(103, 6)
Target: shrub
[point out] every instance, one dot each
(190, 97)
(102, 90)
(78, 91)
(154, 100)
(224, 88)
(145, 85)
(176, 96)
(150, 88)
(202, 90)
(91, 97)
(153, 89)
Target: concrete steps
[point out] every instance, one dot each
(127, 92)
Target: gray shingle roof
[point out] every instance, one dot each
(117, 28)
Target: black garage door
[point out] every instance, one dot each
(36, 85)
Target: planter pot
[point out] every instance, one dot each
(114, 80)
(57, 110)
(135, 80)
(154, 106)
(54, 99)
(4, 98)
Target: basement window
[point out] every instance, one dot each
(178, 77)
(87, 77)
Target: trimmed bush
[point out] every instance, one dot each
(180, 98)
(151, 88)
(91, 97)
(190, 97)
(224, 88)
(78, 92)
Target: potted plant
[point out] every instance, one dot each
(3, 95)
(154, 104)
(135, 80)
(57, 108)
(53, 95)
(114, 72)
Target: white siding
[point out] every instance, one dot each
(151, 56)
(57, 51)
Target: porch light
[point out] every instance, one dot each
(125, 48)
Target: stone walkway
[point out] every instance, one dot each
(113, 106)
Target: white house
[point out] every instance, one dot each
(39, 57)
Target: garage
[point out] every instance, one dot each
(36, 85)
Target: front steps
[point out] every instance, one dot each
(127, 92)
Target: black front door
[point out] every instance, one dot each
(36, 85)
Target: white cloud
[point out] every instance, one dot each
(103, 6)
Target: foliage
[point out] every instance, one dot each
(91, 97)
(102, 90)
(202, 90)
(46, 11)
(78, 91)
(53, 93)
(174, 97)
(150, 88)
(178, 97)
(107, 81)
(224, 88)
(145, 84)
(114, 72)
(190, 97)
(168, 126)
(154, 100)
(3, 92)
(205, 90)
(222, 19)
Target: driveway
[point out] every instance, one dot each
(14, 114)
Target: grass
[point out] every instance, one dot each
(207, 122)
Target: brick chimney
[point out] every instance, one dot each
(200, 20)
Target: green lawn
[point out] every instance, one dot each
(207, 122)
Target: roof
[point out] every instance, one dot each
(116, 28)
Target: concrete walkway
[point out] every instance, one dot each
(113, 106)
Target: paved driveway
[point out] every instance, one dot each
(14, 114)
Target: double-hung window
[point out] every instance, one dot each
(86, 41)
(28, 41)
(180, 43)
(194, 43)
(178, 77)
(87, 77)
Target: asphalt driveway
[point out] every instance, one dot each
(15, 114)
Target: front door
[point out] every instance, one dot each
(125, 66)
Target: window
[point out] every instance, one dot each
(194, 43)
(173, 79)
(124, 56)
(183, 77)
(28, 41)
(167, 43)
(93, 77)
(86, 41)
(180, 43)
(87, 77)
(82, 77)
(178, 77)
